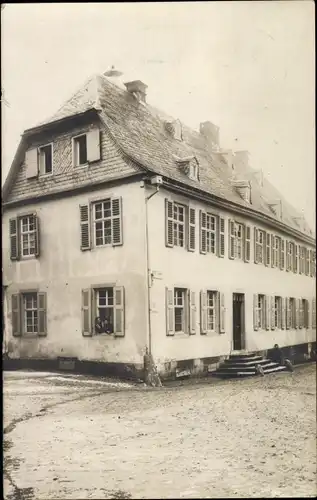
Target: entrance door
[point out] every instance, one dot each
(238, 322)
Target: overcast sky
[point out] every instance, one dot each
(246, 66)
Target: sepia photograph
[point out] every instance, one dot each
(158, 250)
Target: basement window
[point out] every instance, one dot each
(80, 150)
(45, 159)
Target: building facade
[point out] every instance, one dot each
(124, 232)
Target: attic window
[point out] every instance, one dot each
(45, 160)
(80, 150)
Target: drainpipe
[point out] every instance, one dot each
(148, 268)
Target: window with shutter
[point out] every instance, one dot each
(14, 239)
(42, 325)
(203, 312)
(221, 237)
(116, 205)
(306, 313)
(119, 311)
(222, 315)
(31, 163)
(84, 227)
(288, 313)
(191, 229)
(272, 250)
(192, 314)
(170, 330)
(268, 249)
(247, 243)
(267, 312)
(273, 314)
(231, 239)
(297, 313)
(283, 317)
(282, 254)
(45, 156)
(80, 151)
(93, 145)
(86, 313)
(169, 240)
(203, 231)
(255, 312)
(16, 315)
(278, 312)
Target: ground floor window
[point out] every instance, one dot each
(103, 310)
(29, 313)
(179, 309)
(260, 316)
(304, 313)
(211, 310)
(278, 312)
(292, 313)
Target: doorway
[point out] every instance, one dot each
(238, 321)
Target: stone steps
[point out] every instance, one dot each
(246, 365)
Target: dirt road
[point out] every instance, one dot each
(72, 437)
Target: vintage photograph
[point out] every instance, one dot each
(158, 250)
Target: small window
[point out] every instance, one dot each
(211, 310)
(28, 235)
(260, 246)
(46, 160)
(179, 225)
(180, 310)
(261, 312)
(80, 150)
(104, 313)
(292, 313)
(278, 312)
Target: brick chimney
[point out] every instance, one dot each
(211, 134)
(137, 89)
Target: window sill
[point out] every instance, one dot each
(84, 165)
(44, 175)
(27, 257)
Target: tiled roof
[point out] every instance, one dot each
(139, 131)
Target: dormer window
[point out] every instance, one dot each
(80, 150)
(45, 157)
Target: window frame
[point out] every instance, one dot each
(102, 220)
(75, 153)
(278, 311)
(184, 307)
(212, 232)
(261, 312)
(29, 232)
(41, 173)
(214, 309)
(236, 239)
(292, 308)
(179, 224)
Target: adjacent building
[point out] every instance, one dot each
(126, 232)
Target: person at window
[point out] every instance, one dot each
(99, 327)
(108, 327)
(278, 356)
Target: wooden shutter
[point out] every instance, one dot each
(282, 254)
(272, 250)
(191, 229)
(116, 216)
(256, 232)
(297, 313)
(37, 235)
(313, 314)
(283, 319)
(255, 311)
(267, 312)
(41, 305)
(192, 314)
(170, 311)
(247, 243)
(93, 145)
(295, 267)
(288, 313)
(267, 249)
(203, 312)
(307, 315)
(221, 237)
(202, 231)
(16, 315)
(86, 312)
(84, 227)
(119, 323)
(307, 266)
(300, 258)
(311, 262)
(169, 222)
(222, 313)
(273, 326)
(14, 239)
(31, 163)
(287, 243)
(231, 239)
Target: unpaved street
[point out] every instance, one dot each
(75, 437)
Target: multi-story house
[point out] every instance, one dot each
(124, 231)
